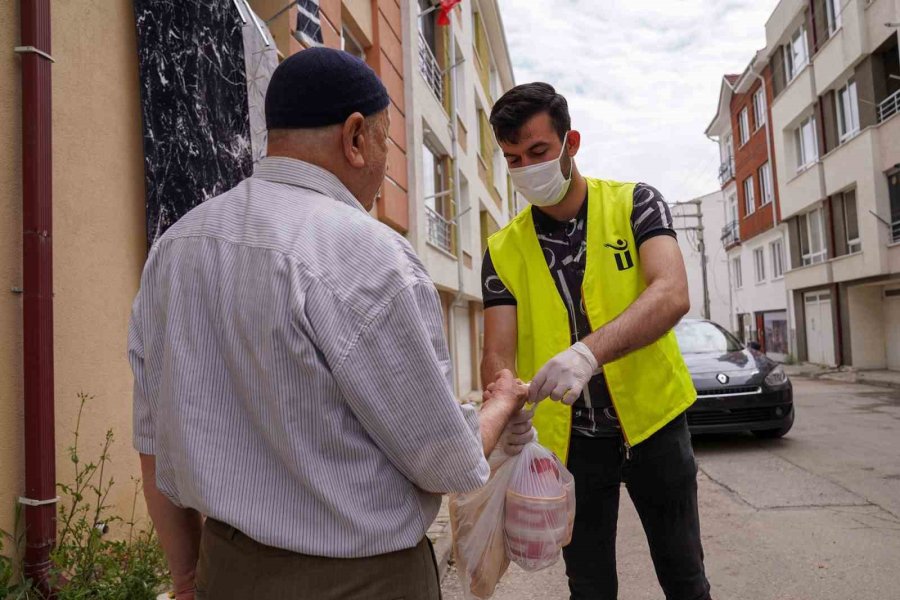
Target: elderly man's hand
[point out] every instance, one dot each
(507, 389)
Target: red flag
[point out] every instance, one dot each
(446, 7)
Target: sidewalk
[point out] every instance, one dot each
(881, 378)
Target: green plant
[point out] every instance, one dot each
(12, 587)
(87, 565)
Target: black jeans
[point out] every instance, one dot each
(661, 478)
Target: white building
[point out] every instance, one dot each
(837, 136)
(454, 77)
(687, 217)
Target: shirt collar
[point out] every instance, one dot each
(545, 222)
(290, 171)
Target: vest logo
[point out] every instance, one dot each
(622, 255)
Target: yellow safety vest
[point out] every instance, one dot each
(649, 387)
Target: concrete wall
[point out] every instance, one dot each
(867, 333)
(99, 236)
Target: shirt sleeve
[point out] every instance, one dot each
(396, 379)
(144, 427)
(651, 215)
(492, 289)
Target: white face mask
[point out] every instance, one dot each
(543, 184)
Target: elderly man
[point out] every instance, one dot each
(291, 372)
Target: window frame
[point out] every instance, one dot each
(777, 250)
(737, 276)
(812, 256)
(833, 16)
(759, 113)
(759, 265)
(744, 125)
(854, 245)
(802, 162)
(766, 187)
(749, 197)
(847, 99)
(795, 64)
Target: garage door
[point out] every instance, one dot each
(892, 328)
(819, 328)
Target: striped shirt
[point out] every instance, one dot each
(291, 372)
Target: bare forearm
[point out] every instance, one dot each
(492, 420)
(654, 313)
(494, 362)
(178, 528)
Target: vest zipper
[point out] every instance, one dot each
(606, 382)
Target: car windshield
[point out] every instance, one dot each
(696, 337)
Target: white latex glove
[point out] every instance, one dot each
(564, 375)
(518, 433)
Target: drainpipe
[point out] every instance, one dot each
(37, 262)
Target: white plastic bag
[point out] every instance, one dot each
(524, 513)
(540, 508)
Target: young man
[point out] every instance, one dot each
(581, 292)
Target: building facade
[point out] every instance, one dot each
(836, 79)
(100, 200)
(752, 238)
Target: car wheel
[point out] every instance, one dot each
(770, 434)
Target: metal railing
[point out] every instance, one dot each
(895, 231)
(889, 106)
(726, 171)
(731, 234)
(439, 230)
(430, 69)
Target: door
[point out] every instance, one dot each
(819, 328)
(892, 328)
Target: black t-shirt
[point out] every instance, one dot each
(565, 247)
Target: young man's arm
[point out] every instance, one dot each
(654, 313)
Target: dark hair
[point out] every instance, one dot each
(524, 101)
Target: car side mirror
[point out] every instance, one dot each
(755, 346)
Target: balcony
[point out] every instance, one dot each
(731, 234)
(889, 107)
(895, 231)
(439, 231)
(431, 70)
(726, 171)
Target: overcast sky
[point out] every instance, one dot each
(642, 78)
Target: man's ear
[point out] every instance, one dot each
(573, 142)
(354, 140)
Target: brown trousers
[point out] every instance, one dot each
(233, 566)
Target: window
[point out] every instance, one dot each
(744, 126)
(438, 199)
(759, 108)
(759, 263)
(736, 276)
(833, 14)
(812, 237)
(777, 259)
(766, 191)
(749, 200)
(807, 143)
(732, 209)
(847, 111)
(851, 222)
(349, 44)
(795, 55)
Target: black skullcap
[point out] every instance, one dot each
(322, 86)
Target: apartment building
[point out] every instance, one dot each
(459, 186)
(752, 238)
(836, 133)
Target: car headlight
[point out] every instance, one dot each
(776, 376)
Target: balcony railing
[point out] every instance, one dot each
(731, 234)
(726, 171)
(895, 231)
(889, 106)
(439, 230)
(430, 69)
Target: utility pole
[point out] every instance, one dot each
(699, 229)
